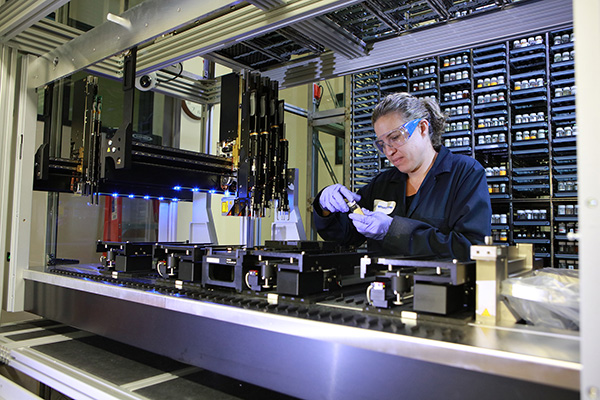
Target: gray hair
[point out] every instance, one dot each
(410, 107)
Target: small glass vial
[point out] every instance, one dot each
(518, 136)
(539, 82)
(487, 82)
(446, 62)
(502, 139)
(465, 58)
(533, 134)
(517, 85)
(558, 92)
(541, 134)
(479, 83)
(557, 57)
(501, 80)
(557, 40)
(494, 81)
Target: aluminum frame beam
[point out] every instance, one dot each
(516, 20)
(137, 25)
(46, 35)
(18, 15)
(238, 25)
(155, 17)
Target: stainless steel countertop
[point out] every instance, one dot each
(518, 352)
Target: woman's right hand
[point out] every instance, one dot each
(333, 198)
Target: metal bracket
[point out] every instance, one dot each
(118, 147)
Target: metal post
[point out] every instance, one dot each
(587, 21)
(167, 221)
(8, 70)
(22, 193)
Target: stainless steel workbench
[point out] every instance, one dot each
(319, 357)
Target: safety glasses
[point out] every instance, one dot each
(397, 137)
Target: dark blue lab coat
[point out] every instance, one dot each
(450, 211)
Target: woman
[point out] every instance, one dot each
(433, 203)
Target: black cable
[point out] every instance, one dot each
(175, 77)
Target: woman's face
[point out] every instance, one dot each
(410, 156)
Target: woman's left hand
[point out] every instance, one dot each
(374, 224)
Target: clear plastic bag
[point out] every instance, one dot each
(548, 297)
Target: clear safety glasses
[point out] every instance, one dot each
(397, 137)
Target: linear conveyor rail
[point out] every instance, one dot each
(274, 344)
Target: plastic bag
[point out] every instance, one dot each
(548, 297)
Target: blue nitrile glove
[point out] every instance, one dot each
(373, 225)
(332, 198)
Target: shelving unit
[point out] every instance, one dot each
(510, 105)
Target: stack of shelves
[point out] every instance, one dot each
(529, 107)
(511, 105)
(564, 151)
(455, 101)
(423, 80)
(364, 157)
(491, 132)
